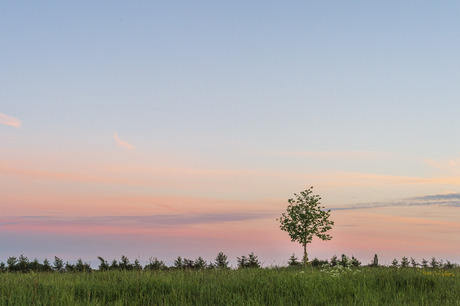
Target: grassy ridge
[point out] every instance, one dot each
(282, 286)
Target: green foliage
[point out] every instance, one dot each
(199, 263)
(375, 261)
(178, 263)
(23, 264)
(58, 264)
(124, 264)
(305, 218)
(221, 261)
(434, 263)
(248, 262)
(424, 263)
(155, 265)
(345, 262)
(449, 265)
(189, 264)
(355, 262)
(364, 286)
(46, 266)
(334, 261)
(404, 262)
(81, 266)
(35, 266)
(293, 261)
(12, 264)
(69, 267)
(103, 264)
(114, 265)
(137, 265)
(318, 263)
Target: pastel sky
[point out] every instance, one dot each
(165, 129)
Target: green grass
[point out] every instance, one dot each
(283, 286)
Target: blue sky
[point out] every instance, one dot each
(352, 76)
(245, 101)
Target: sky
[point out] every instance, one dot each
(181, 128)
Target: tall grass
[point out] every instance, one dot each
(276, 286)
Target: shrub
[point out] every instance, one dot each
(12, 264)
(103, 265)
(221, 261)
(23, 264)
(155, 264)
(375, 261)
(248, 262)
(124, 264)
(137, 265)
(434, 263)
(345, 262)
(82, 266)
(449, 265)
(404, 262)
(293, 261)
(114, 265)
(334, 261)
(318, 262)
(355, 262)
(35, 265)
(424, 263)
(58, 264)
(69, 267)
(188, 264)
(199, 263)
(46, 266)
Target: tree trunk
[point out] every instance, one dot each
(305, 256)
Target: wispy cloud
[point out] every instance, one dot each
(450, 165)
(149, 221)
(121, 143)
(11, 121)
(451, 200)
(349, 155)
(60, 176)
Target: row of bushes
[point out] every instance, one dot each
(353, 262)
(22, 264)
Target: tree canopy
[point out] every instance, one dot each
(305, 218)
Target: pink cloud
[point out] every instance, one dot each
(121, 143)
(396, 232)
(60, 176)
(11, 121)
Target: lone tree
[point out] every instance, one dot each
(305, 218)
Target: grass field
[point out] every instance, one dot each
(275, 286)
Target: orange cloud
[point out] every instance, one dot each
(451, 165)
(121, 143)
(11, 121)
